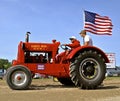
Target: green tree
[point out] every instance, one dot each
(4, 63)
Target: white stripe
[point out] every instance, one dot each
(98, 28)
(102, 23)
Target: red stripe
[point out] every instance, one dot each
(99, 30)
(103, 24)
(102, 17)
(98, 26)
(105, 20)
(100, 21)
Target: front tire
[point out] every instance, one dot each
(18, 77)
(88, 70)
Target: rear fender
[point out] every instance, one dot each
(78, 50)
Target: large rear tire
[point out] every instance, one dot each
(18, 77)
(66, 81)
(88, 70)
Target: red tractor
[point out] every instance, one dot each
(83, 67)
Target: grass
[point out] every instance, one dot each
(113, 78)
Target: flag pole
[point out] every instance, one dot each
(83, 23)
(83, 18)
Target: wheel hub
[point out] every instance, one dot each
(88, 68)
(19, 78)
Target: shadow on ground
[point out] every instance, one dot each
(44, 87)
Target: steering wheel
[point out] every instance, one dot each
(64, 47)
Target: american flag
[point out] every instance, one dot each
(96, 24)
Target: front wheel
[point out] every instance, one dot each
(18, 77)
(88, 70)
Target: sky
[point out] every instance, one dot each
(54, 19)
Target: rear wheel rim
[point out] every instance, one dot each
(19, 78)
(89, 68)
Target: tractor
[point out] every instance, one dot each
(83, 67)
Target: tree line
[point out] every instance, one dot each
(4, 64)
